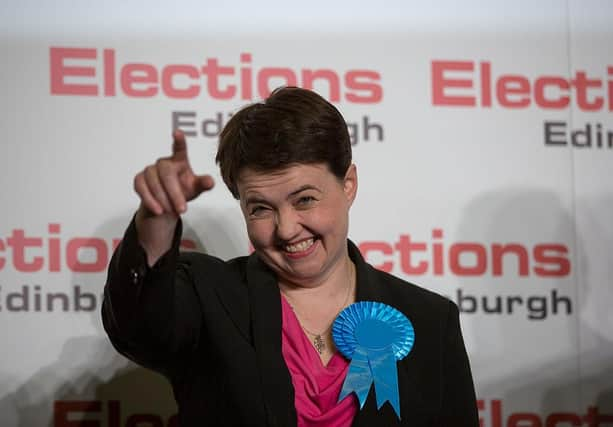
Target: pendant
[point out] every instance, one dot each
(319, 344)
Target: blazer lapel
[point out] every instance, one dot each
(368, 288)
(236, 302)
(265, 303)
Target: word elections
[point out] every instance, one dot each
(210, 127)
(52, 253)
(438, 257)
(97, 413)
(94, 72)
(491, 414)
(455, 83)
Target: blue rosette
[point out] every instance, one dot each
(374, 336)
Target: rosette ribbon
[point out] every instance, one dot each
(374, 336)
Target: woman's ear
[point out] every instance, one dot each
(350, 183)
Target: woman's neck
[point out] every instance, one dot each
(317, 306)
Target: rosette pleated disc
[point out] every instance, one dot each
(373, 325)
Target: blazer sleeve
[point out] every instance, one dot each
(152, 315)
(459, 401)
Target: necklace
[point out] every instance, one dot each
(318, 340)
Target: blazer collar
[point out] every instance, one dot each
(367, 286)
(265, 302)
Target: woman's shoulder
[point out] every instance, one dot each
(211, 268)
(406, 296)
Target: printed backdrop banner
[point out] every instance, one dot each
(483, 138)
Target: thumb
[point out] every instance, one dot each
(203, 183)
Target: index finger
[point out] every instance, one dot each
(179, 146)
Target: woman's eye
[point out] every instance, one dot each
(306, 200)
(257, 211)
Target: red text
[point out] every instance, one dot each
(491, 415)
(29, 254)
(456, 83)
(91, 413)
(94, 72)
(415, 257)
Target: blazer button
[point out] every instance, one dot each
(134, 276)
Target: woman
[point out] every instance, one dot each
(249, 341)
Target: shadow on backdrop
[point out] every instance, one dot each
(90, 380)
(580, 372)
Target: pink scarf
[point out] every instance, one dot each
(316, 386)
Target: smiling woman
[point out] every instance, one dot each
(249, 341)
(297, 220)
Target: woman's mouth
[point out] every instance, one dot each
(300, 246)
(300, 249)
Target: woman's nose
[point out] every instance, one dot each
(287, 224)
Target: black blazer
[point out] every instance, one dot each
(213, 328)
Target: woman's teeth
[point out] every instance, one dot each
(299, 247)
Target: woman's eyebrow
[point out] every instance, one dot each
(255, 199)
(303, 188)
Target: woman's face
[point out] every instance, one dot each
(297, 219)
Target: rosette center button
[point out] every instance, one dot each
(375, 334)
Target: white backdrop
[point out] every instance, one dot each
(463, 117)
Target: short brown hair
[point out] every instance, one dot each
(291, 126)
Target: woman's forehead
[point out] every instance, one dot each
(283, 182)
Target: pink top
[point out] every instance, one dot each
(316, 386)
